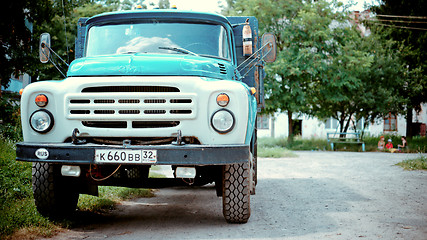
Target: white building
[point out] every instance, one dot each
(310, 127)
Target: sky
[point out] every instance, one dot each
(214, 5)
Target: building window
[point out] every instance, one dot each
(331, 123)
(390, 123)
(263, 122)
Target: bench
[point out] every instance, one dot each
(345, 137)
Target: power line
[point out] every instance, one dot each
(395, 16)
(394, 26)
(387, 20)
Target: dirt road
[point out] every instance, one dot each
(318, 195)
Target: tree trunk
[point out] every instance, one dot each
(290, 125)
(409, 123)
(273, 126)
(342, 120)
(347, 125)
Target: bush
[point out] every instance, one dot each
(10, 115)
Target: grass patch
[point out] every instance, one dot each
(279, 147)
(17, 208)
(109, 197)
(275, 152)
(415, 144)
(296, 144)
(419, 163)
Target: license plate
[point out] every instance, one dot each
(125, 156)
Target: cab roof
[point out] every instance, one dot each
(160, 14)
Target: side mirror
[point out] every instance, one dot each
(44, 47)
(269, 51)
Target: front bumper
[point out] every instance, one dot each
(190, 155)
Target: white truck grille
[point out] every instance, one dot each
(130, 106)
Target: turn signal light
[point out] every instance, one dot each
(222, 99)
(253, 90)
(41, 100)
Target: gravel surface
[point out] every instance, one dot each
(317, 195)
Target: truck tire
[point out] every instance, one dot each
(54, 196)
(236, 193)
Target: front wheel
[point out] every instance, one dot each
(54, 196)
(236, 193)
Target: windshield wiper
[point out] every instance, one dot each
(181, 50)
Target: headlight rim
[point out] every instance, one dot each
(232, 126)
(51, 119)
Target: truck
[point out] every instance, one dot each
(149, 87)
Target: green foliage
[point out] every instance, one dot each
(325, 67)
(297, 144)
(17, 209)
(419, 163)
(164, 4)
(11, 127)
(415, 41)
(275, 152)
(17, 54)
(19, 49)
(415, 145)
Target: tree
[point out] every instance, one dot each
(22, 22)
(285, 81)
(164, 4)
(363, 80)
(306, 44)
(63, 28)
(325, 67)
(402, 29)
(19, 23)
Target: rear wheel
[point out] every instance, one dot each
(54, 195)
(236, 192)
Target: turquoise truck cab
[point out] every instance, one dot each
(158, 87)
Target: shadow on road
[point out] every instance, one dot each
(281, 208)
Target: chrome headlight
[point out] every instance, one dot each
(41, 121)
(223, 121)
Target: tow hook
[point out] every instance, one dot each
(126, 143)
(74, 136)
(178, 139)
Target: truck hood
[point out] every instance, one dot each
(139, 64)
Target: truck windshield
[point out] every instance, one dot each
(167, 38)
